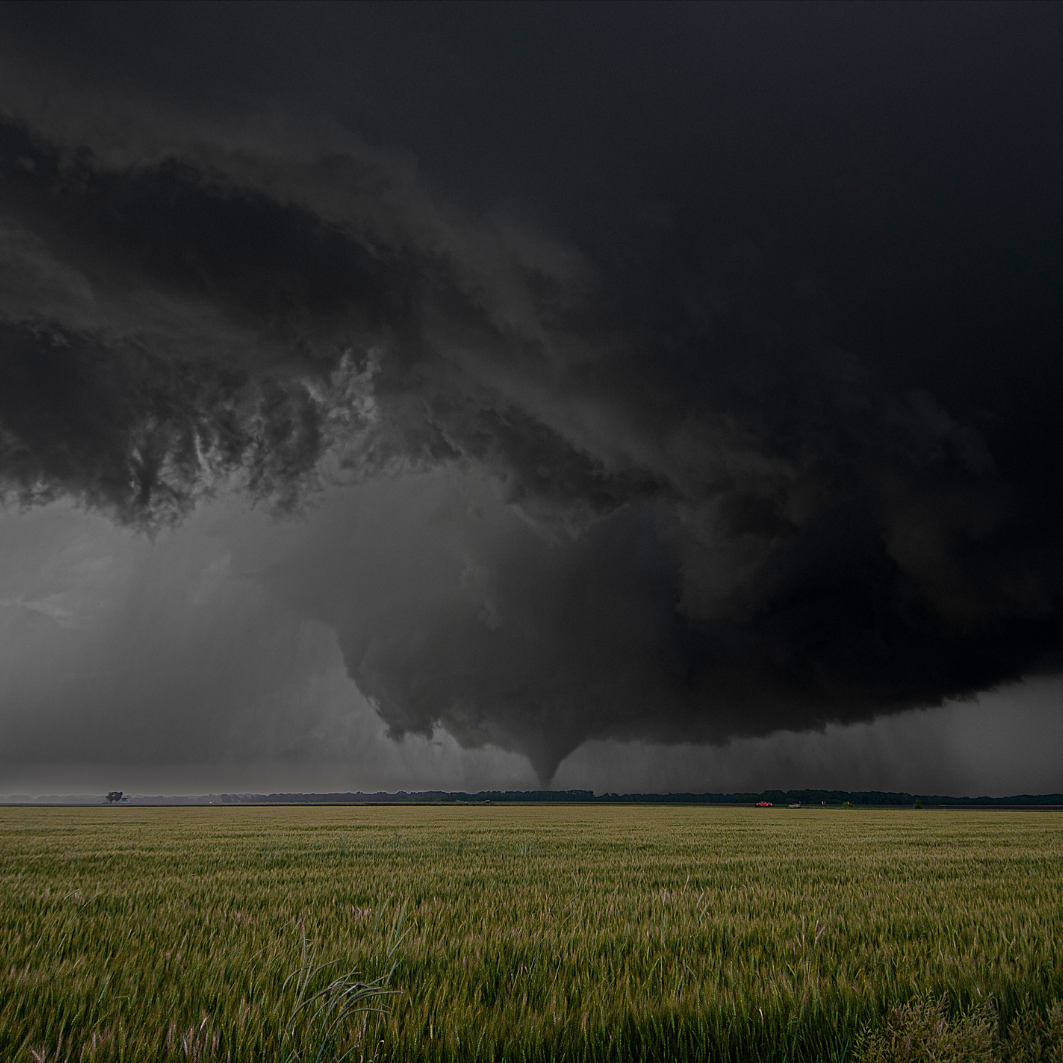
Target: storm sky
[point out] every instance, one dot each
(633, 397)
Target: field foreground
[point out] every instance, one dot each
(531, 933)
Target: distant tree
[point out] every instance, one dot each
(918, 803)
(114, 797)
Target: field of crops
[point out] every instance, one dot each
(531, 933)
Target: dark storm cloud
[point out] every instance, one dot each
(765, 439)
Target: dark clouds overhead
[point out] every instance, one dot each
(672, 374)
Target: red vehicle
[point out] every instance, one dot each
(763, 804)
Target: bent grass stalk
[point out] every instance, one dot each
(322, 1018)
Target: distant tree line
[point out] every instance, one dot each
(875, 798)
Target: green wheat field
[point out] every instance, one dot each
(512, 933)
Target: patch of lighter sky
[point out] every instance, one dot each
(1002, 743)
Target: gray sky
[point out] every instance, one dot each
(623, 397)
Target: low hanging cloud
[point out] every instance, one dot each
(545, 517)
